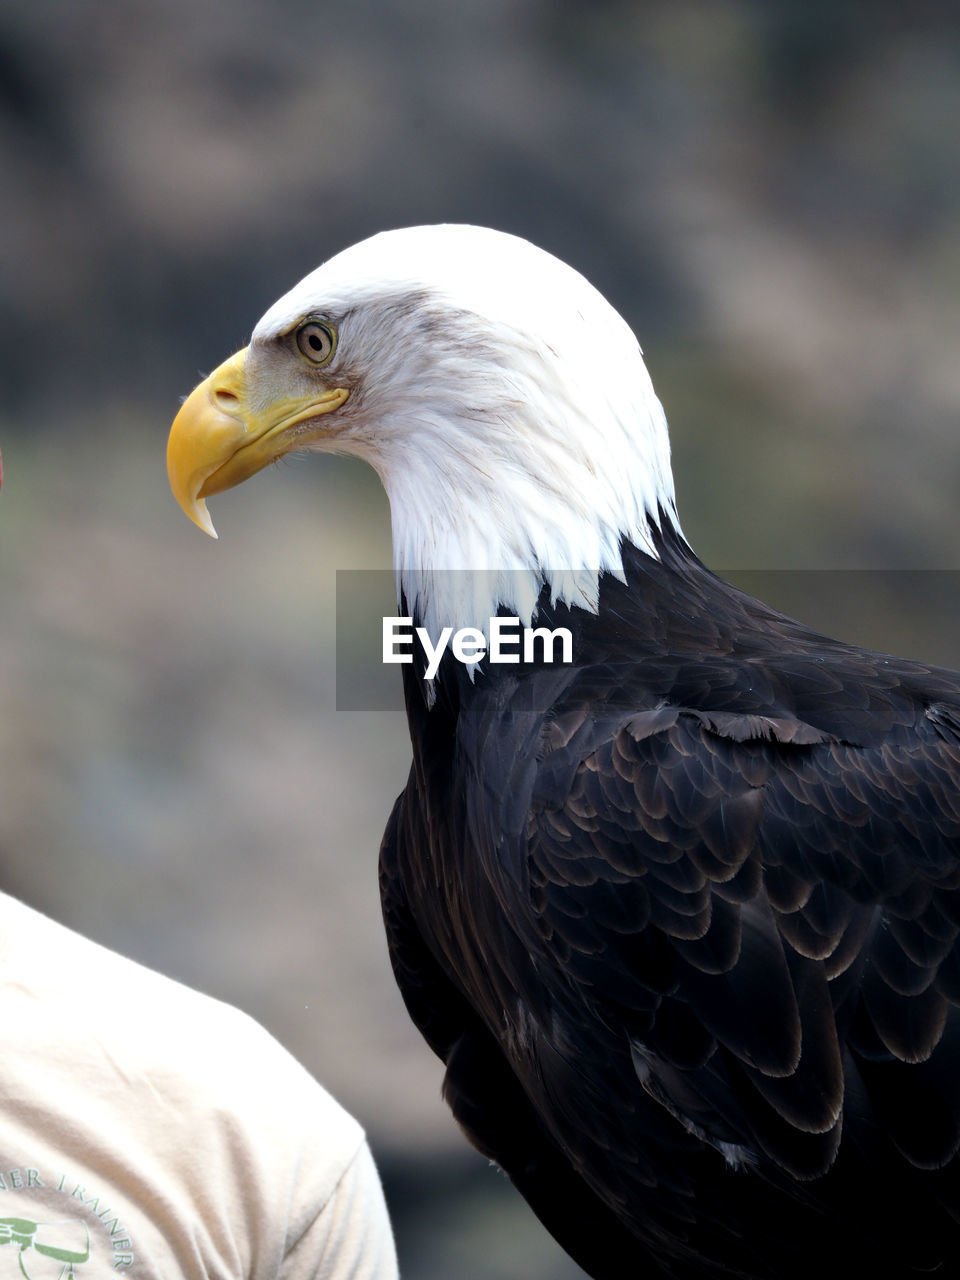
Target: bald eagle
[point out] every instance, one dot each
(680, 915)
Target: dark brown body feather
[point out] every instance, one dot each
(681, 919)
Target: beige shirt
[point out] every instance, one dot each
(150, 1131)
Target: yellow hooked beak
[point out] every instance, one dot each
(219, 440)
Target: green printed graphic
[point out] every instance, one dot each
(44, 1250)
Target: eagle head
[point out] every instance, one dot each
(503, 402)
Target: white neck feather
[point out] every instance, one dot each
(488, 507)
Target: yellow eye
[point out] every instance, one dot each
(316, 341)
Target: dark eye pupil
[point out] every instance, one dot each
(315, 342)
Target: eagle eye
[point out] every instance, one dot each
(316, 341)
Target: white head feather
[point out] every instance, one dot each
(505, 406)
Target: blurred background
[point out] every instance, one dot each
(768, 190)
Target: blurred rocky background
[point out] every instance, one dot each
(769, 190)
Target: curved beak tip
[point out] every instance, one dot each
(186, 487)
(201, 518)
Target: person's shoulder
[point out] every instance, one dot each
(191, 1046)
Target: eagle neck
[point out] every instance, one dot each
(471, 541)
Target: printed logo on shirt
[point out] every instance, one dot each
(57, 1248)
(60, 1225)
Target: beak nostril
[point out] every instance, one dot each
(226, 397)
